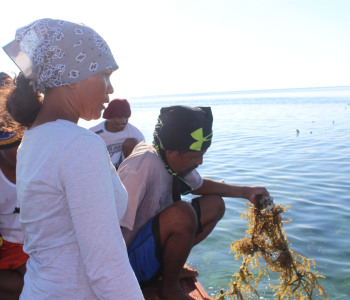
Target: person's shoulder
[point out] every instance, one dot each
(63, 137)
(134, 131)
(58, 128)
(69, 127)
(143, 156)
(133, 127)
(146, 150)
(73, 133)
(99, 128)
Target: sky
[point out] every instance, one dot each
(166, 47)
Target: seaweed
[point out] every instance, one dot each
(266, 241)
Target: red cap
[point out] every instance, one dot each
(117, 107)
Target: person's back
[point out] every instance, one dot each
(151, 184)
(45, 183)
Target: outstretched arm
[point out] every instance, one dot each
(213, 187)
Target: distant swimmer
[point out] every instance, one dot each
(297, 132)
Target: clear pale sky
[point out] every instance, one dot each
(193, 46)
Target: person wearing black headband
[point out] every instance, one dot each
(159, 229)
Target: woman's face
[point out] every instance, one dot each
(93, 92)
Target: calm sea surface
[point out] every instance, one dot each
(256, 143)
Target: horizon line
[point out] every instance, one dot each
(239, 91)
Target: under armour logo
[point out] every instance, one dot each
(198, 136)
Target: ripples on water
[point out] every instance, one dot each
(256, 143)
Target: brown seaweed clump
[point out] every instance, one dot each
(266, 241)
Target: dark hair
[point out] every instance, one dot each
(7, 123)
(23, 103)
(5, 80)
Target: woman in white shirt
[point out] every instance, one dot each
(71, 198)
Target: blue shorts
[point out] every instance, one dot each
(145, 253)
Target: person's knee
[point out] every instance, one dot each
(213, 207)
(11, 284)
(220, 206)
(179, 217)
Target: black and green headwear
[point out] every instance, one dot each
(184, 128)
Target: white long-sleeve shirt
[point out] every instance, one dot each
(71, 201)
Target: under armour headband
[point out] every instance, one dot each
(184, 128)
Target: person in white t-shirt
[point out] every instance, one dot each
(12, 258)
(160, 229)
(70, 196)
(119, 135)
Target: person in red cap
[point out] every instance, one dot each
(119, 135)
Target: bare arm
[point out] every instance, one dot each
(223, 189)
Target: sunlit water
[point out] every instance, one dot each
(256, 143)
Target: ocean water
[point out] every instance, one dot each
(256, 143)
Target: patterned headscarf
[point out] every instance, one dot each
(55, 53)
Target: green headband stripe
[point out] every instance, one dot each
(160, 141)
(164, 161)
(198, 136)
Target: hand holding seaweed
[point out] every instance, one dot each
(265, 238)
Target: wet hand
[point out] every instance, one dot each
(259, 196)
